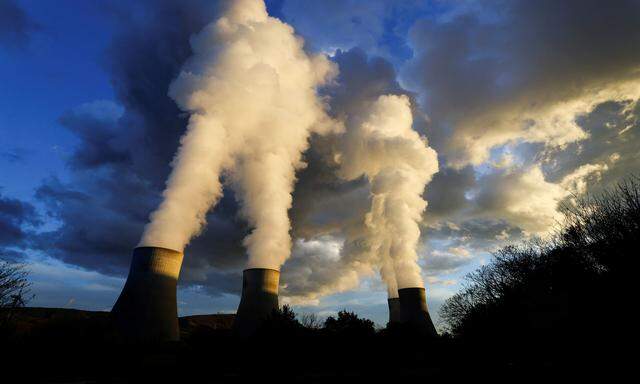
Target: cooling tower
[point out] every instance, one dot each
(394, 309)
(146, 309)
(259, 299)
(413, 310)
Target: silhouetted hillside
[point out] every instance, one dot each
(27, 321)
(566, 298)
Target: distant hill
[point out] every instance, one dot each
(32, 319)
(205, 324)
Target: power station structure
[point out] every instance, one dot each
(414, 312)
(395, 315)
(146, 309)
(259, 299)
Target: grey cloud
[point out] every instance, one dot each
(379, 27)
(225, 283)
(91, 233)
(95, 124)
(475, 234)
(321, 201)
(445, 263)
(15, 25)
(362, 77)
(337, 24)
(446, 192)
(476, 71)
(15, 218)
(614, 139)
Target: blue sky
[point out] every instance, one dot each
(58, 68)
(525, 105)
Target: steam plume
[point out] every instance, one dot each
(381, 145)
(250, 90)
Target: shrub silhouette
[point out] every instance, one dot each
(349, 324)
(14, 286)
(560, 293)
(14, 294)
(281, 323)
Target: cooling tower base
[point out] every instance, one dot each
(413, 311)
(394, 310)
(146, 310)
(259, 300)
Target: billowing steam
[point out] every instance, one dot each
(251, 92)
(380, 144)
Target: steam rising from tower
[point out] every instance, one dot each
(250, 89)
(381, 144)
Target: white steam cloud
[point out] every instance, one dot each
(251, 91)
(380, 144)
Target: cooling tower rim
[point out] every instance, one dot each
(261, 269)
(411, 289)
(154, 247)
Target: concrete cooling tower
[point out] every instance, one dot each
(146, 309)
(394, 309)
(413, 310)
(259, 299)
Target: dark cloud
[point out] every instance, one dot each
(614, 139)
(475, 234)
(446, 192)
(490, 76)
(361, 78)
(143, 59)
(335, 24)
(439, 263)
(92, 233)
(95, 124)
(16, 218)
(497, 82)
(322, 202)
(379, 27)
(15, 25)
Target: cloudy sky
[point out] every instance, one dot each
(527, 103)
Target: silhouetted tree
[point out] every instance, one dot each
(281, 322)
(14, 286)
(310, 321)
(14, 293)
(349, 324)
(605, 227)
(570, 290)
(498, 296)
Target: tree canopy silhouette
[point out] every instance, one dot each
(568, 290)
(349, 324)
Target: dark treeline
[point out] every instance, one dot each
(566, 299)
(543, 309)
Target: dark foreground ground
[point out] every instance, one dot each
(51, 345)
